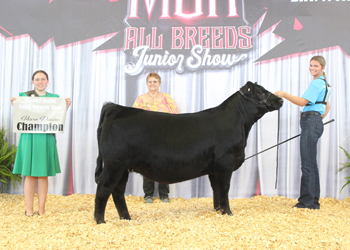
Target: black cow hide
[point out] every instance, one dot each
(170, 148)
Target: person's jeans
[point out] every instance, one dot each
(311, 130)
(148, 188)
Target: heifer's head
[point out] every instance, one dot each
(264, 100)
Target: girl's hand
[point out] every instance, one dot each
(279, 94)
(12, 99)
(68, 102)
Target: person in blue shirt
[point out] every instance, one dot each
(316, 107)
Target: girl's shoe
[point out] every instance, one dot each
(25, 213)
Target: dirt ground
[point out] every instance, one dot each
(257, 223)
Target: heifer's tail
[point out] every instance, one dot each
(99, 160)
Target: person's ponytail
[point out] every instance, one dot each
(324, 75)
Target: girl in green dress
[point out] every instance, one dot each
(37, 156)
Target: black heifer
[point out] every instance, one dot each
(171, 148)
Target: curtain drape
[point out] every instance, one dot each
(92, 78)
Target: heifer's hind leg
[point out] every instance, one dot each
(216, 193)
(102, 194)
(108, 181)
(119, 197)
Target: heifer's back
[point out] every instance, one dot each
(172, 148)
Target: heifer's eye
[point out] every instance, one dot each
(261, 94)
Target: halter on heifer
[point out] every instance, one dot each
(263, 102)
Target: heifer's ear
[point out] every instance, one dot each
(250, 85)
(248, 88)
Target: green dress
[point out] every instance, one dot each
(37, 153)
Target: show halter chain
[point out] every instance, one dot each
(263, 102)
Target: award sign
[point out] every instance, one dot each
(39, 115)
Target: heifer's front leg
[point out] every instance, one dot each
(119, 197)
(216, 193)
(223, 180)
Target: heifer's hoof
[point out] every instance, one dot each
(229, 214)
(226, 212)
(125, 218)
(100, 221)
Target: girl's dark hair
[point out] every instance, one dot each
(40, 71)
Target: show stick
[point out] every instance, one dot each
(282, 142)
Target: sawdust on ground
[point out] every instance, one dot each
(257, 223)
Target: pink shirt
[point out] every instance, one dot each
(165, 104)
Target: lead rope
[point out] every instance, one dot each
(278, 139)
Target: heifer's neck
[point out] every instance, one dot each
(249, 111)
